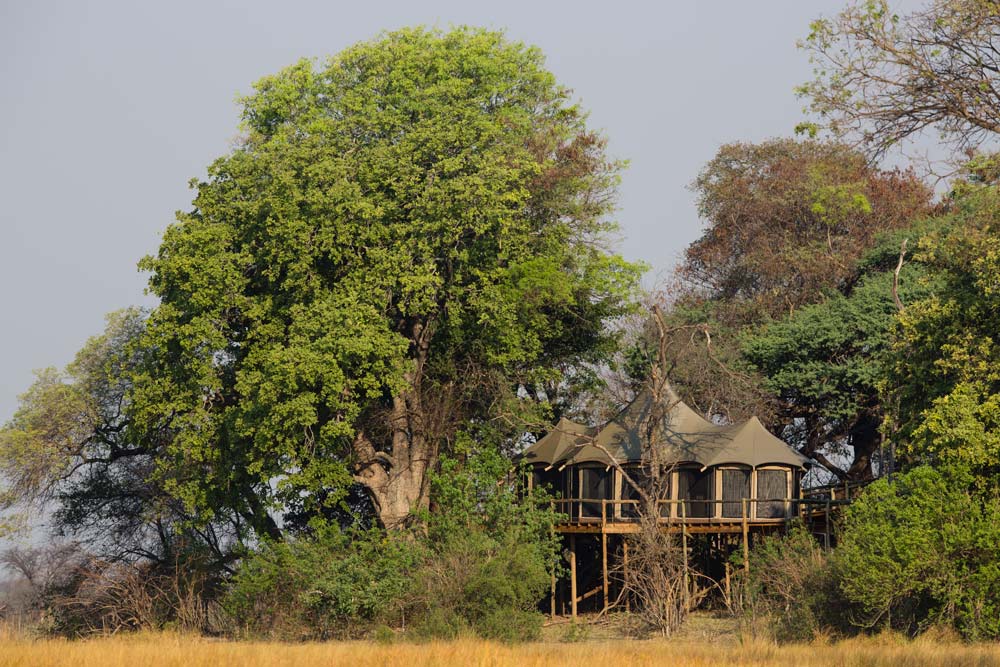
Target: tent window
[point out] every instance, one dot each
(772, 490)
(694, 486)
(551, 480)
(641, 476)
(596, 486)
(570, 490)
(638, 475)
(735, 487)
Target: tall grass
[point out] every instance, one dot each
(169, 650)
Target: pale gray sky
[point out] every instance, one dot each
(109, 108)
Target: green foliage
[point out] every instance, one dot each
(790, 592)
(944, 374)
(923, 549)
(827, 361)
(493, 552)
(329, 584)
(479, 567)
(826, 356)
(421, 218)
(483, 583)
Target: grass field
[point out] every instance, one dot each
(176, 650)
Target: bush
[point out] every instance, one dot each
(492, 553)
(790, 592)
(483, 584)
(923, 550)
(330, 584)
(478, 563)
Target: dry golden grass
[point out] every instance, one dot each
(166, 649)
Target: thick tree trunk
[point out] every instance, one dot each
(397, 479)
(396, 474)
(864, 440)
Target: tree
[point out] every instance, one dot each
(71, 448)
(922, 549)
(883, 78)
(782, 283)
(943, 384)
(704, 361)
(826, 363)
(403, 237)
(786, 223)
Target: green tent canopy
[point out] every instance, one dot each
(683, 435)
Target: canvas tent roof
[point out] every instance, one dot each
(687, 436)
(558, 443)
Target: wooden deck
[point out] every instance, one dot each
(616, 518)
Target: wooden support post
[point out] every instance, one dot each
(746, 538)
(684, 548)
(552, 589)
(604, 568)
(628, 605)
(827, 523)
(801, 512)
(572, 574)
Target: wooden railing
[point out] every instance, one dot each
(840, 491)
(603, 511)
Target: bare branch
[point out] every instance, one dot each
(895, 276)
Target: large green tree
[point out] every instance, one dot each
(826, 363)
(407, 238)
(944, 381)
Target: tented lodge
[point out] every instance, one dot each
(711, 469)
(724, 484)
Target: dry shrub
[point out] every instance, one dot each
(657, 578)
(113, 597)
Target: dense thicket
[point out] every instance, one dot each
(479, 566)
(944, 377)
(918, 549)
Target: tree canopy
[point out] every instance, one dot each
(943, 383)
(790, 283)
(404, 235)
(882, 78)
(827, 362)
(786, 221)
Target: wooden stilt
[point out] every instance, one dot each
(572, 574)
(746, 538)
(728, 588)
(684, 548)
(604, 567)
(826, 522)
(628, 606)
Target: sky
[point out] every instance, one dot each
(108, 109)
